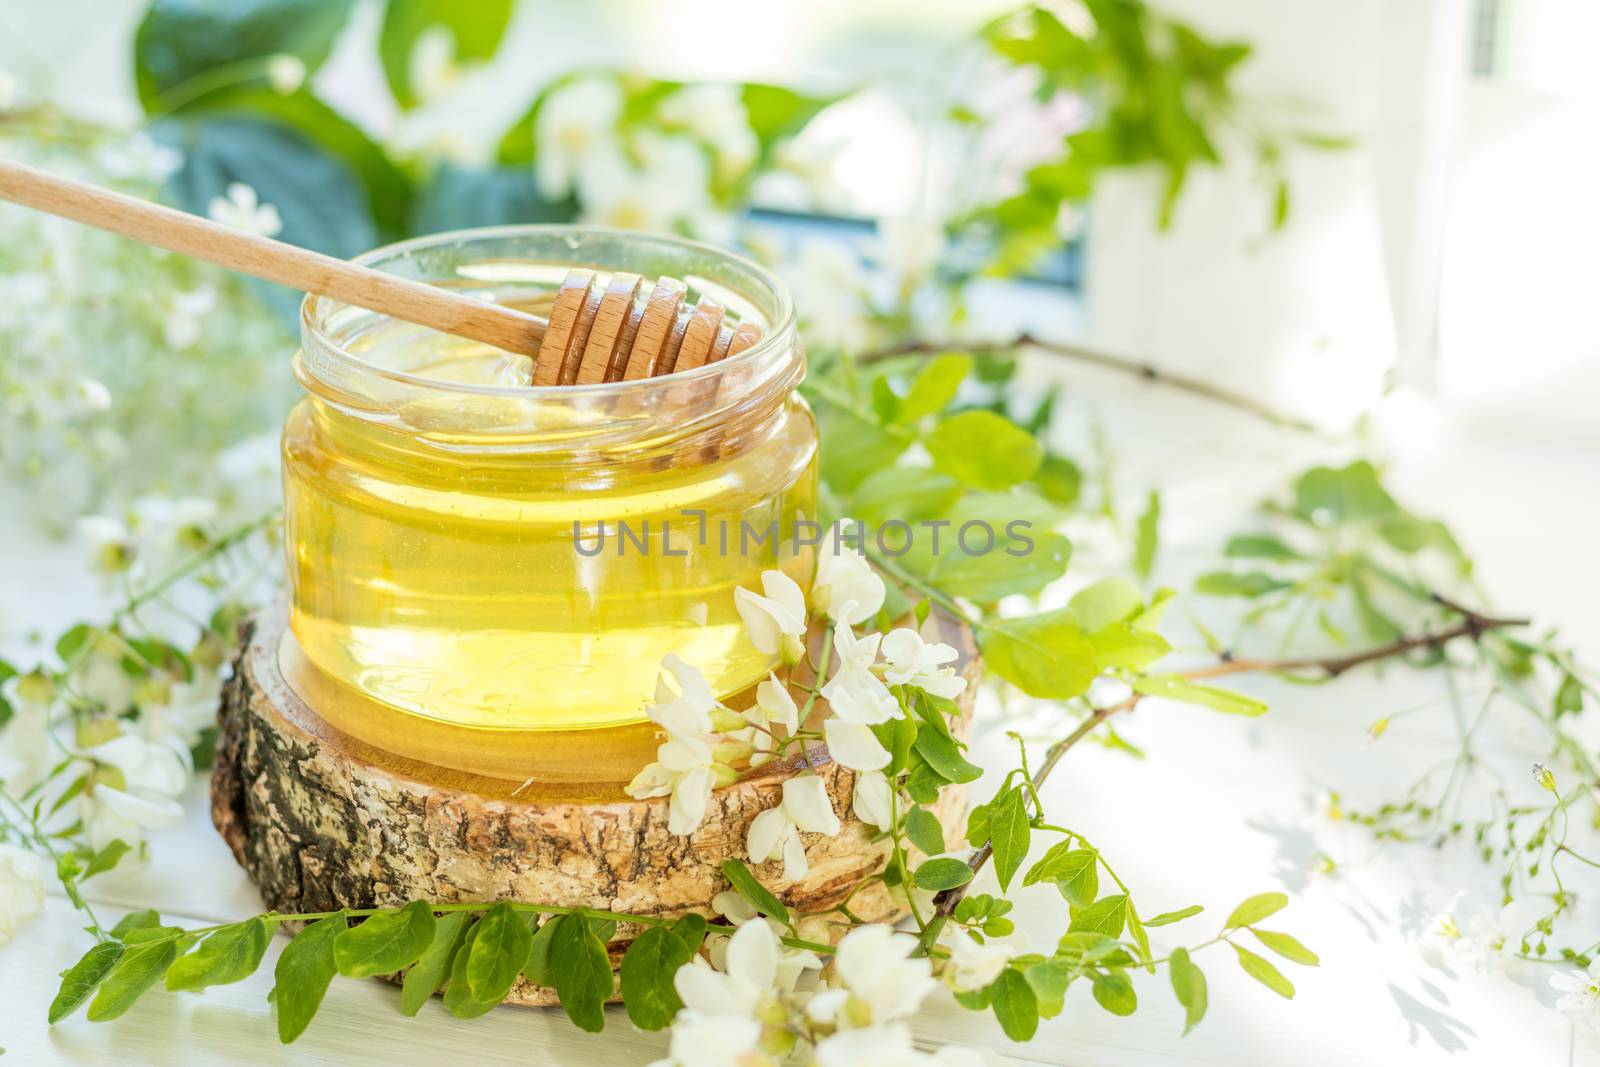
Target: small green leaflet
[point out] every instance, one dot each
(227, 955)
(1258, 968)
(1015, 1005)
(753, 891)
(385, 942)
(647, 971)
(582, 972)
(82, 978)
(923, 828)
(458, 997)
(135, 920)
(1049, 979)
(1104, 916)
(1256, 908)
(140, 967)
(1009, 834)
(944, 873)
(1168, 917)
(1114, 993)
(1145, 543)
(1074, 871)
(1189, 986)
(1258, 546)
(106, 858)
(1107, 601)
(1044, 655)
(1176, 687)
(1288, 947)
(934, 386)
(1251, 585)
(423, 980)
(498, 954)
(303, 973)
(984, 450)
(943, 754)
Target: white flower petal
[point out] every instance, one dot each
(765, 840)
(854, 746)
(805, 798)
(753, 954)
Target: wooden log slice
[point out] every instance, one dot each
(322, 821)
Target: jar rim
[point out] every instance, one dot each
(315, 311)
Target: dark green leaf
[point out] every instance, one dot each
(458, 998)
(303, 973)
(943, 754)
(475, 28)
(1105, 916)
(1189, 985)
(984, 450)
(922, 827)
(423, 980)
(230, 954)
(646, 973)
(82, 978)
(1258, 968)
(538, 969)
(583, 972)
(944, 873)
(1288, 947)
(385, 942)
(1009, 833)
(1114, 993)
(139, 967)
(499, 953)
(1175, 687)
(1015, 1005)
(1256, 908)
(754, 892)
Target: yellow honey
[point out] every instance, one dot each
(467, 551)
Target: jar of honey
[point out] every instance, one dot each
(485, 574)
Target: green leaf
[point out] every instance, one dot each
(943, 754)
(1325, 496)
(934, 386)
(1049, 979)
(106, 858)
(1175, 687)
(1107, 601)
(72, 643)
(1189, 986)
(922, 827)
(944, 873)
(182, 45)
(1009, 834)
(1105, 916)
(303, 973)
(1015, 1005)
(583, 972)
(385, 942)
(1569, 696)
(1264, 972)
(903, 494)
(140, 967)
(1256, 908)
(1043, 655)
(1167, 918)
(458, 998)
(82, 978)
(230, 954)
(1075, 873)
(758, 895)
(1114, 993)
(423, 980)
(1126, 648)
(1288, 947)
(853, 448)
(1147, 538)
(499, 953)
(1059, 480)
(136, 920)
(538, 969)
(646, 972)
(775, 112)
(897, 735)
(984, 450)
(475, 28)
(1259, 546)
(1225, 583)
(991, 545)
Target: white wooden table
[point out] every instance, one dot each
(1221, 808)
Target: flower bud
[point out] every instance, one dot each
(92, 732)
(36, 687)
(1544, 776)
(791, 649)
(726, 721)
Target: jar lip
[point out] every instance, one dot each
(314, 310)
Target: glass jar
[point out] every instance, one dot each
(481, 565)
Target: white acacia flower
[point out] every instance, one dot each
(91, 396)
(873, 801)
(285, 73)
(140, 158)
(186, 709)
(26, 738)
(111, 546)
(854, 746)
(908, 249)
(776, 705)
(746, 981)
(776, 621)
(243, 210)
(185, 319)
(846, 587)
(171, 527)
(855, 693)
(715, 113)
(686, 770)
(687, 711)
(882, 983)
(908, 660)
(776, 831)
(1580, 1000)
(667, 187)
(134, 788)
(973, 966)
(21, 889)
(872, 1046)
(714, 1040)
(830, 283)
(432, 65)
(733, 907)
(575, 121)
(1489, 944)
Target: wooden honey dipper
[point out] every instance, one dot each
(595, 333)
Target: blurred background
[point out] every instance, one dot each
(1332, 208)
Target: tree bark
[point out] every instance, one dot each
(321, 821)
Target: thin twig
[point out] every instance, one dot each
(1474, 625)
